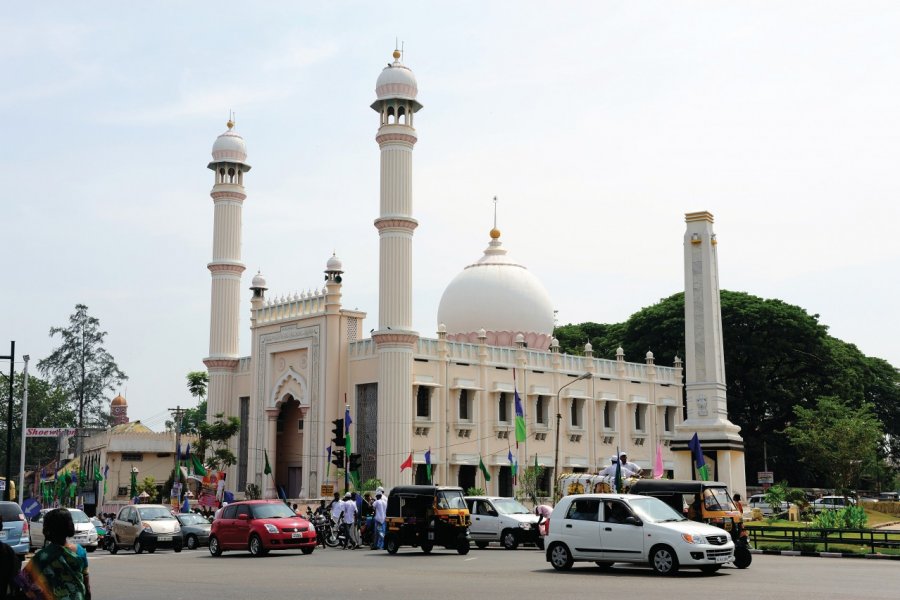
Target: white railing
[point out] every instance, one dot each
(290, 307)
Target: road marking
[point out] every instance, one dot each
(468, 559)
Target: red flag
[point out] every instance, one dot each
(407, 464)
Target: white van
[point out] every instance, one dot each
(614, 528)
(503, 520)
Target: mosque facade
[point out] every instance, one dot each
(446, 399)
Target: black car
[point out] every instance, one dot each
(194, 529)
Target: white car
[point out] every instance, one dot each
(832, 503)
(503, 520)
(759, 501)
(614, 528)
(85, 532)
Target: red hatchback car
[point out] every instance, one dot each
(259, 526)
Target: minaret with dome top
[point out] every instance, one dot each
(396, 104)
(229, 163)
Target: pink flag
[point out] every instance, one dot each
(658, 469)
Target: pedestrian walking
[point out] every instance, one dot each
(349, 511)
(60, 569)
(380, 506)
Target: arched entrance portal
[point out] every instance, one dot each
(288, 468)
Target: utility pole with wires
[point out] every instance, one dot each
(177, 414)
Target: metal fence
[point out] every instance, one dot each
(802, 538)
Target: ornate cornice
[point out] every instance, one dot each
(228, 195)
(226, 268)
(395, 223)
(396, 137)
(393, 337)
(221, 363)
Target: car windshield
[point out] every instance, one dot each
(192, 519)
(450, 499)
(510, 506)
(151, 513)
(717, 498)
(78, 516)
(654, 510)
(272, 510)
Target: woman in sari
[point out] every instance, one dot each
(58, 571)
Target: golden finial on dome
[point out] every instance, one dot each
(230, 123)
(495, 233)
(396, 55)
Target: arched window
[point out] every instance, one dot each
(390, 114)
(401, 115)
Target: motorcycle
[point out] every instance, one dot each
(326, 529)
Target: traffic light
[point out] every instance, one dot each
(337, 439)
(337, 458)
(354, 462)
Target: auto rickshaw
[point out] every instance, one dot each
(706, 501)
(427, 516)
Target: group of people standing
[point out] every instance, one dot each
(359, 517)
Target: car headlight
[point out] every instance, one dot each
(177, 528)
(271, 528)
(525, 525)
(691, 538)
(146, 527)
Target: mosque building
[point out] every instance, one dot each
(447, 399)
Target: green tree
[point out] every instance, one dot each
(197, 382)
(82, 367)
(47, 407)
(213, 440)
(777, 356)
(835, 440)
(148, 484)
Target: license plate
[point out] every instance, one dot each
(164, 538)
(296, 535)
(3, 534)
(723, 559)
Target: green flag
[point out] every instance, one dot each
(133, 491)
(198, 465)
(268, 469)
(97, 475)
(484, 471)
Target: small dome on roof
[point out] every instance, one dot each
(118, 401)
(259, 282)
(334, 264)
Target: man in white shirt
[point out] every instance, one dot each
(610, 472)
(633, 468)
(349, 510)
(380, 506)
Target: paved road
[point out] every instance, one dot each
(494, 574)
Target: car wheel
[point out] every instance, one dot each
(138, 546)
(710, 569)
(151, 549)
(392, 544)
(664, 561)
(256, 546)
(214, 547)
(560, 557)
(192, 542)
(742, 557)
(91, 548)
(427, 547)
(307, 550)
(603, 566)
(462, 546)
(481, 545)
(509, 539)
(540, 543)
(178, 547)
(112, 546)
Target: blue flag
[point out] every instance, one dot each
(697, 453)
(186, 507)
(187, 452)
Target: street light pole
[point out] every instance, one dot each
(7, 495)
(558, 419)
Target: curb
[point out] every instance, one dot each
(825, 554)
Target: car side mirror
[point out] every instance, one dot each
(492, 513)
(633, 521)
(243, 517)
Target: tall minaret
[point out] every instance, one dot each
(707, 405)
(229, 164)
(396, 90)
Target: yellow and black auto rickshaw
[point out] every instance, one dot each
(706, 501)
(427, 516)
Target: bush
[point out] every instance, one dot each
(849, 517)
(475, 491)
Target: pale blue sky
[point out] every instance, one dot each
(598, 124)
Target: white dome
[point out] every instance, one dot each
(500, 297)
(258, 282)
(230, 147)
(396, 81)
(334, 264)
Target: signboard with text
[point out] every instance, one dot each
(765, 477)
(49, 431)
(327, 489)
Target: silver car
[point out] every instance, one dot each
(85, 532)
